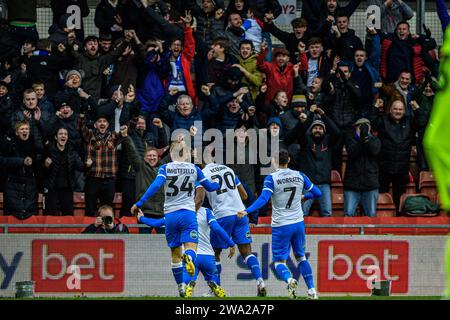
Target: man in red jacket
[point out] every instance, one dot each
(279, 72)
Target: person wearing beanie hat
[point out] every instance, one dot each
(316, 138)
(74, 77)
(361, 180)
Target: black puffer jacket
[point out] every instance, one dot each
(71, 124)
(362, 164)
(73, 162)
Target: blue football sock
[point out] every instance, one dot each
(192, 254)
(306, 272)
(219, 271)
(186, 277)
(177, 270)
(253, 263)
(283, 272)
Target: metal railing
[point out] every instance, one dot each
(361, 227)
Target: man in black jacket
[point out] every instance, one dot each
(20, 155)
(397, 132)
(343, 40)
(105, 223)
(361, 175)
(316, 138)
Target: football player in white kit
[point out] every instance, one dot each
(178, 178)
(205, 262)
(285, 187)
(225, 203)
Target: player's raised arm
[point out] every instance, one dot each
(156, 184)
(154, 223)
(262, 199)
(217, 229)
(208, 185)
(314, 191)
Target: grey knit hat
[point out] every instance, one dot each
(318, 123)
(73, 72)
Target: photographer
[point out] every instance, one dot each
(361, 176)
(105, 222)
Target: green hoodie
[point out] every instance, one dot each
(254, 78)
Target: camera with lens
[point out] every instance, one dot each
(107, 220)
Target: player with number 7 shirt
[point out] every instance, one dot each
(178, 178)
(285, 187)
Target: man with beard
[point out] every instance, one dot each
(247, 64)
(101, 160)
(233, 32)
(402, 89)
(61, 161)
(316, 139)
(20, 156)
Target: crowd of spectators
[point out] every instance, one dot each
(95, 114)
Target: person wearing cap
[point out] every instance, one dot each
(361, 181)
(279, 73)
(109, 18)
(316, 138)
(301, 33)
(67, 118)
(93, 64)
(101, 161)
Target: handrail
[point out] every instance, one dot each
(6, 226)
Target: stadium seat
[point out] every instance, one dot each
(408, 214)
(61, 220)
(336, 182)
(344, 162)
(427, 185)
(79, 205)
(117, 204)
(337, 203)
(385, 205)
